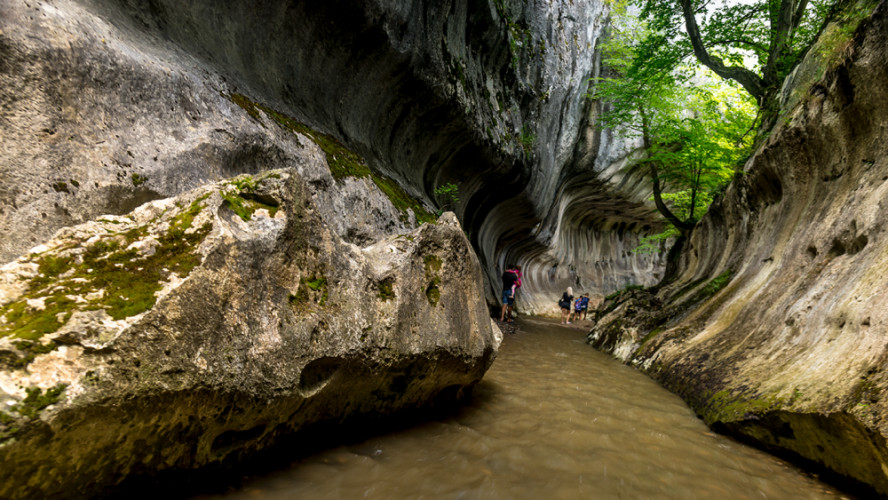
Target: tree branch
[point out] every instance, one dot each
(655, 177)
(681, 225)
(749, 80)
(779, 42)
(742, 41)
(799, 14)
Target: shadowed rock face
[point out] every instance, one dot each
(775, 328)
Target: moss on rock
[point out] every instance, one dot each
(239, 196)
(37, 400)
(432, 265)
(386, 289)
(121, 281)
(342, 161)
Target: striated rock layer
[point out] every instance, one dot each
(775, 329)
(207, 326)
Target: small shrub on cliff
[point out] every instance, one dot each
(449, 196)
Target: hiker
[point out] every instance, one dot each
(584, 305)
(578, 308)
(510, 282)
(564, 303)
(516, 270)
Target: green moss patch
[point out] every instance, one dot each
(432, 292)
(401, 200)
(312, 289)
(36, 400)
(138, 180)
(239, 196)
(124, 281)
(432, 266)
(619, 293)
(725, 406)
(717, 284)
(8, 429)
(342, 161)
(28, 351)
(386, 289)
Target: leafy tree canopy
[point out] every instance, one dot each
(754, 43)
(695, 128)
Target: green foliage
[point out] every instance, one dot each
(655, 242)
(835, 41)
(448, 195)
(755, 44)
(694, 128)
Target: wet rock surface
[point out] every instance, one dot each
(774, 328)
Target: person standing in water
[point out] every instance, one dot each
(510, 282)
(584, 305)
(564, 303)
(517, 270)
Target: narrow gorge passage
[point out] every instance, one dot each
(553, 418)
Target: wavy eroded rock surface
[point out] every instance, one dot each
(775, 328)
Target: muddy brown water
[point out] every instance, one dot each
(553, 418)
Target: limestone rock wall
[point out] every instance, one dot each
(111, 103)
(774, 330)
(98, 119)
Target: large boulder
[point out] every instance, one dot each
(205, 327)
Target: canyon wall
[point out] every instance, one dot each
(774, 330)
(116, 102)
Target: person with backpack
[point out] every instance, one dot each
(584, 305)
(578, 308)
(510, 283)
(566, 299)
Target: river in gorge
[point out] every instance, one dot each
(553, 418)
